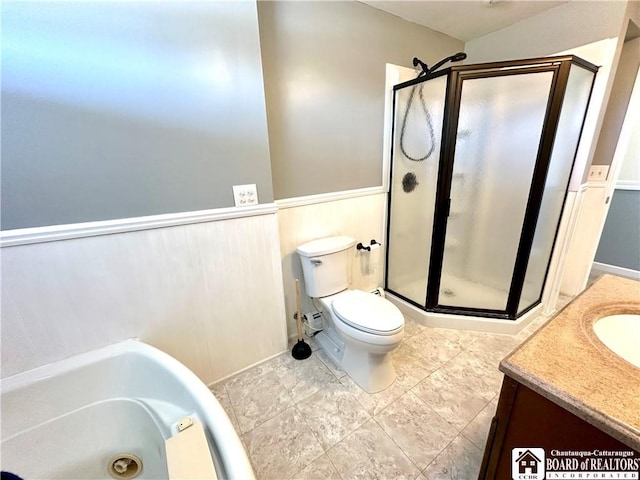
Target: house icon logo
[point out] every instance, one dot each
(527, 464)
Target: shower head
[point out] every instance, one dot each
(453, 58)
(426, 70)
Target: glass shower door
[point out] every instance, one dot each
(419, 112)
(480, 164)
(576, 99)
(497, 141)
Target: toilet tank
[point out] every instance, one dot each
(325, 263)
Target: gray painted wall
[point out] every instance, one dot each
(324, 72)
(620, 241)
(122, 109)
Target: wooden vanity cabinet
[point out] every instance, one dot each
(525, 418)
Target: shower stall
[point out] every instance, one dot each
(480, 165)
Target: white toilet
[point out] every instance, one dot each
(360, 328)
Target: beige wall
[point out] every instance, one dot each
(581, 28)
(568, 26)
(630, 169)
(618, 102)
(324, 74)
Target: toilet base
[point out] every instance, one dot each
(332, 345)
(371, 371)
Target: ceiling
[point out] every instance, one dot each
(464, 19)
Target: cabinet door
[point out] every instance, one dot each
(526, 419)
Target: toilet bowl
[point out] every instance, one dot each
(371, 328)
(360, 329)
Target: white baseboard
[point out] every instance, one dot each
(614, 270)
(226, 378)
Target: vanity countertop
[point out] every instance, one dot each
(565, 362)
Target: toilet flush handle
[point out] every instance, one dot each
(316, 262)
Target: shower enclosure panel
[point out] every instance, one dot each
(574, 109)
(414, 183)
(497, 140)
(480, 166)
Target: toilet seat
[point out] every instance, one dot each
(367, 312)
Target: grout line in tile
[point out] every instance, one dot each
(304, 418)
(312, 432)
(336, 446)
(233, 410)
(372, 416)
(418, 397)
(325, 452)
(447, 446)
(242, 439)
(470, 441)
(293, 404)
(334, 465)
(396, 444)
(253, 466)
(364, 408)
(465, 427)
(325, 365)
(439, 453)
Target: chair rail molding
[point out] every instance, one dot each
(53, 233)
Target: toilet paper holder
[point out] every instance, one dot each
(360, 246)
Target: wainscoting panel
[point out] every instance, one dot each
(582, 249)
(210, 294)
(361, 218)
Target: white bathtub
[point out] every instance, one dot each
(67, 420)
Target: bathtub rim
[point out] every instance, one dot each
(232, 455)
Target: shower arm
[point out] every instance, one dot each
(428, 71)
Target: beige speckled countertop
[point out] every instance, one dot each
(566, 363)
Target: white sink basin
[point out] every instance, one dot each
(621, 334)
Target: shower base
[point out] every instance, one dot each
(464, 322)
(466, 293)
(463, 293)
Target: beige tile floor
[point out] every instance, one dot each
(307, 419)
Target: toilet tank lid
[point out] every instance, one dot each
(325, 246)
